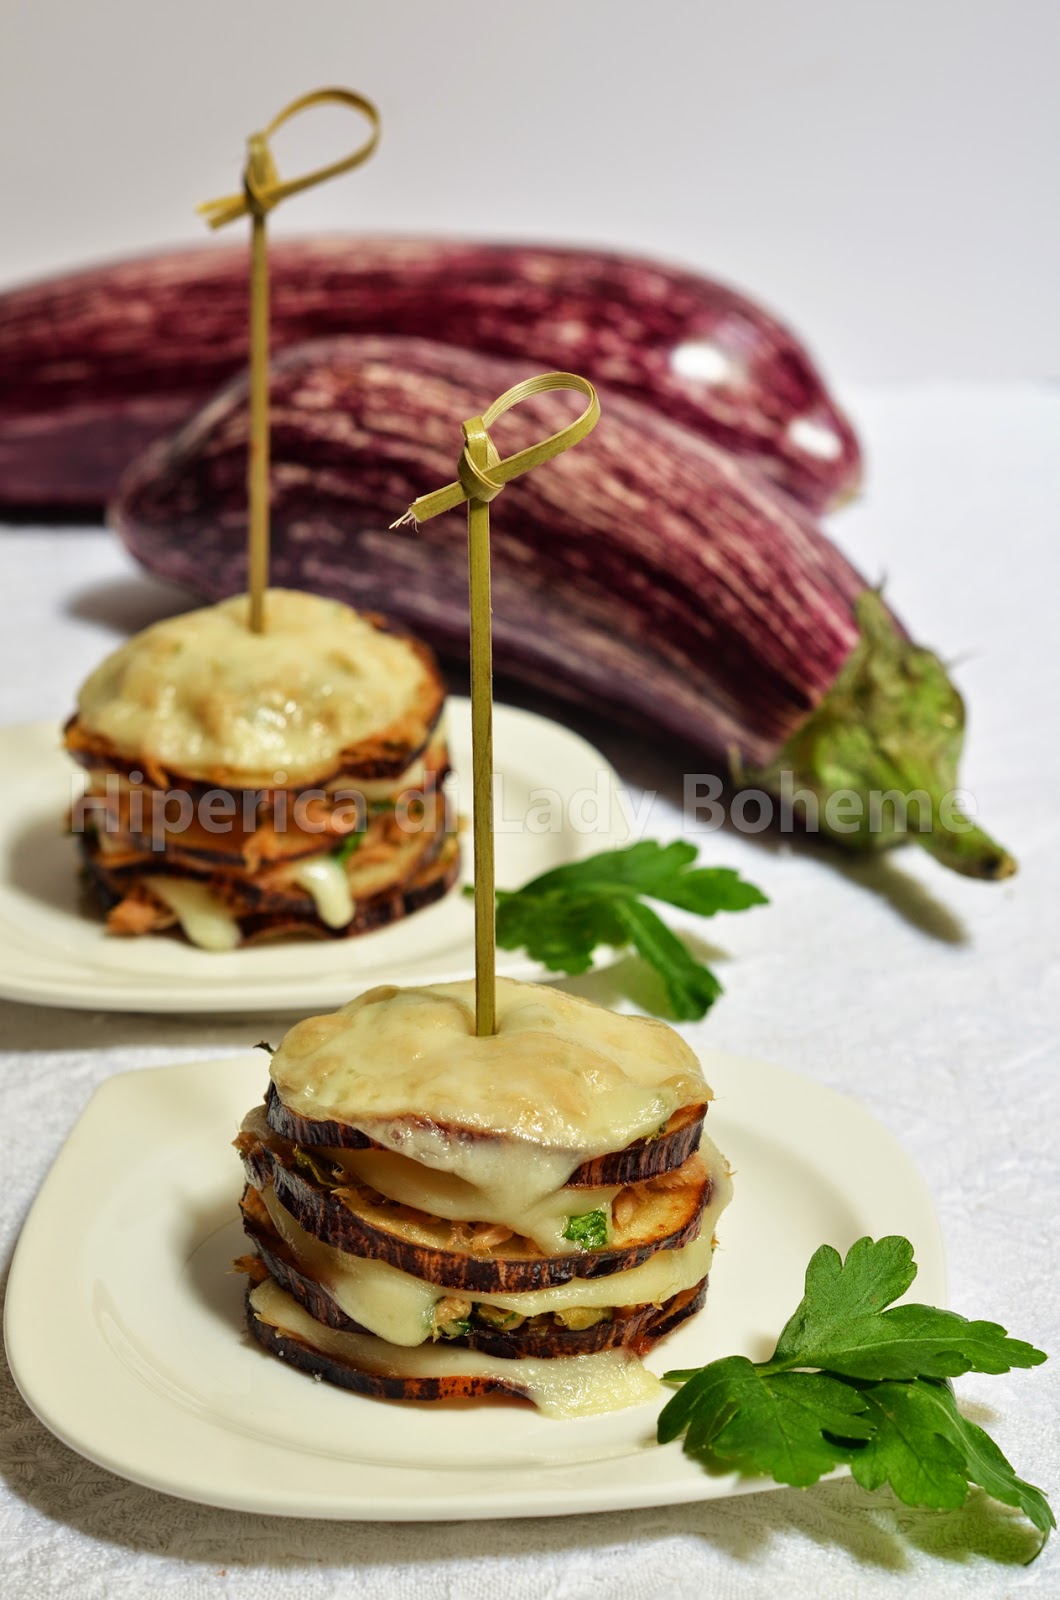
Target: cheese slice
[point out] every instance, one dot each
(206, 921)
(571, 1386)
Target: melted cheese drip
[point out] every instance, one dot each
(391, 1303)
(205, 921)
(570, 1386)
(201, 693)
(326, 880)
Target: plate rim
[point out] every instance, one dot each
(410, 1493)
(85, 987)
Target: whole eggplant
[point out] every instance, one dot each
(96, 364)
(647, 574)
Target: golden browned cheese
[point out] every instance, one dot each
(560, 1073)
(560, 1082)
(202, 695)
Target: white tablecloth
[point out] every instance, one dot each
(931, 999)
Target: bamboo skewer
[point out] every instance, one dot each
(258, 446)
(263, 189)
(482, 476)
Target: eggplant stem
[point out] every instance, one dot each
(876, 763)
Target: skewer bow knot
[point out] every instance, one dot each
(263, 188)
(479, 455)
(482, 472)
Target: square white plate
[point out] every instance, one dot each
(124, 1326)
(55, 951)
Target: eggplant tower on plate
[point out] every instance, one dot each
(243, 785)
(437, 1215)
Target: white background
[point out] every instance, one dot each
(883, 175)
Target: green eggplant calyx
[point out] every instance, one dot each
(876, 762)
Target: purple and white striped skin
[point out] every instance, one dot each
(647, 574)
(95, 365)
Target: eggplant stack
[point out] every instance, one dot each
(439, 1216)
(245, 785)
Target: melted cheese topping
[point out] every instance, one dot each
(205, 920)
(560, 1082)
(575, 1386)
(561, 1076)
(201, 693)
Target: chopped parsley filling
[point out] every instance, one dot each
(589, 1229)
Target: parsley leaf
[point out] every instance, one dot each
(691, 987)
(841, 1322)
(562, 916)
(929, 1453)
(560, 933)
(765, 1422)
(589, 1229)
(877, 1398)
(906, 1448)
(352, 843)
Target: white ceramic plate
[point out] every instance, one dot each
(54, 951)
(124, 1326)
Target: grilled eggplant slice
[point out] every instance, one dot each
(644, 1158)
(273, 889)
(382, 1385)
(260, 914)
(635, 1328)
(356, 1219)
(599, 1381)
(262, 830)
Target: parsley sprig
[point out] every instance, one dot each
(856, 1379)
(561, 917)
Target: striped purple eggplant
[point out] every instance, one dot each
(96, 364)
(648, 574)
